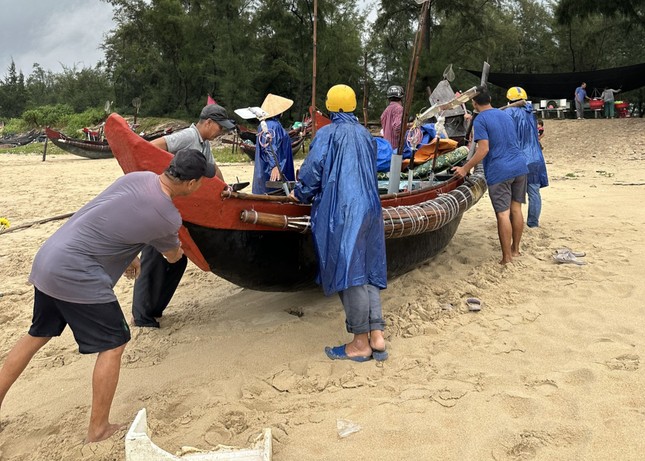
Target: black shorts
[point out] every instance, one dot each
(501, 194)
(96, 327)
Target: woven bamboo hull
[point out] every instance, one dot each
(286, 261)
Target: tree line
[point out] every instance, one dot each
(172, 53)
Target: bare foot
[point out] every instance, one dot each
(352, 351)
(377, 341)
(104, 433)
(515, 254)
(506, 261)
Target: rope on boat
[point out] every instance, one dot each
(400, 221)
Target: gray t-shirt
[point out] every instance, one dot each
(189, 139)
(82, 261)
(608, 95)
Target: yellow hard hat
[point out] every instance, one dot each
(515, 93)
(341, 98)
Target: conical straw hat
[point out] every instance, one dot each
(274, 105)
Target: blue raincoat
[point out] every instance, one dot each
(385, 150)
(264, 160)
(527, 136)
(338, 178)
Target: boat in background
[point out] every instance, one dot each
(263, 242)
(92, 149)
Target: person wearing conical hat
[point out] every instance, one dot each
(273, 154)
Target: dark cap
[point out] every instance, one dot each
(218, 114)
(190, 164)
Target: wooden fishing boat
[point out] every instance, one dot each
(262, 242)
(19, 140)
(92, 149)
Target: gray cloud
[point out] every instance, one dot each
(51, 33)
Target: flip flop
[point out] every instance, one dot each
(568, 258)
(565, 250)
(380, 355)
(474, 304)
(338, 353)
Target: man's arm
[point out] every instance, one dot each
(160, 143)
(480, 153)
(173, 255)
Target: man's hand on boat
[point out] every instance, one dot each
(460, 171)
(133, 270)
(172, 256)
(292, 197)
(275, 174)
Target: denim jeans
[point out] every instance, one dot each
(535, 205)
(609, 109)
(363, 310)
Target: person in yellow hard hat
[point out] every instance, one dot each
(529, 140)
(339, 178)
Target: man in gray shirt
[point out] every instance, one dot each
(159, 279)
(608, 98)
(75, 271)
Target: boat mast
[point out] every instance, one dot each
(313, 77)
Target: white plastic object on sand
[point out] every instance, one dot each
(139, 447)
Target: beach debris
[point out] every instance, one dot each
(566, 256)
(139, 447)
(474, 304)
(346, 427)
(4, 224)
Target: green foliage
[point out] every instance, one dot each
(15, 126)
(89, 117)
(49, 115)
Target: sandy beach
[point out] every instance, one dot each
(549, 369)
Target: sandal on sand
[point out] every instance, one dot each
(379, 355)
(565, 250)
(474, 304)
(567, 258)
(339, 353)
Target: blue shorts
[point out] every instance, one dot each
(96, 327)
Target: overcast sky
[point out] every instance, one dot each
(52, 32)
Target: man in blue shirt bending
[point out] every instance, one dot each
(505, 170)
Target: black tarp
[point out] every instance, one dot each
(562, 85)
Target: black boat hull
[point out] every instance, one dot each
(286, 261)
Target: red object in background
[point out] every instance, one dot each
(595, 104)
(622, 109)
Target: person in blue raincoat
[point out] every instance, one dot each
(338, 178)
(273, 155)
(529, 141)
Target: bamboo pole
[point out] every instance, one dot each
(313, 77)
(33, 223)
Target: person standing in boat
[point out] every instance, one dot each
(505, 170)
(273, 154)
(159, 278)
(529, 139)
(392, 116)
(75, 270)
(338, 178)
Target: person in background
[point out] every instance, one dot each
(608, 98)
(580, 95)
(75, 270)
(528, 137)
(159, 278)
(392, 116)
(540, 130)
(347, 224)
(504, 168)
(273, 146)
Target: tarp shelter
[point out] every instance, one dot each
(562, 85)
